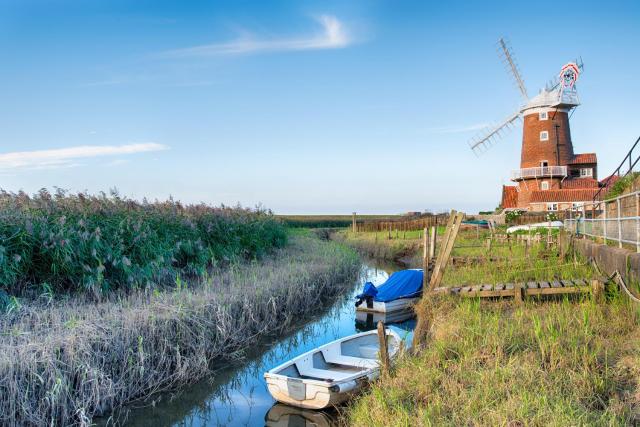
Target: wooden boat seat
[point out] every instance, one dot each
(369, 351)
(358, 362)
(324, 374)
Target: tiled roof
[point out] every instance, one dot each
(509, 197)
(567, 195)
(580, 183)
(584, 158)
(610, 180)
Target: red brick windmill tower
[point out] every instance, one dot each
(551, 177)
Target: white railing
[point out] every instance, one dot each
(540, 172)
(609, 227)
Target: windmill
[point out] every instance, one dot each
(547, 160)
(554, 95)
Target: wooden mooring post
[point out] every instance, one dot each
(453, 226)
(384, 349)
(425, 258)
(354, 227)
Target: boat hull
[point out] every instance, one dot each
(388, 307)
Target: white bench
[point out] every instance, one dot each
(358, 362)
(324, 374)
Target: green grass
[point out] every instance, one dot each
(68, 243)
(554, 363)
(560, 361)
(330, 221)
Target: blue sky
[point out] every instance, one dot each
(303, 106)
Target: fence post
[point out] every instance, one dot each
(605, 223)
(619, 224)
(637, 222)
(425, 258)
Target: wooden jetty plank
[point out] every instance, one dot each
(569, 290)
(487, 287)
(456, 289)
(499, 287)
(544, 284)
(567, 283)
(465, 289)
(580, 282)
(509, 286)
(556, 284)
(532, 285)
(476, 288)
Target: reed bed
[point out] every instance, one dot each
(69, 361)
(59, 243)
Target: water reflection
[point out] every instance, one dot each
(237, 395)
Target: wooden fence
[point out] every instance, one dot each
(402, 224)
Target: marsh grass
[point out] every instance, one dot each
(562, 361)
(554, 363)
(61, 243)
(66, 361)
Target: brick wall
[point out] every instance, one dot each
(534, 151)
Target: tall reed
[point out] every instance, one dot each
(69, 361)
(77, 242)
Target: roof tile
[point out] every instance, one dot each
(566, 195)
(584, 158)
(509, 196)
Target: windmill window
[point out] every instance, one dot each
(544, 185)
(543, 115)
(544, 135)
(552, 207)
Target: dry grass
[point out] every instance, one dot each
(554, 363)
(68, 361)
(558, 362)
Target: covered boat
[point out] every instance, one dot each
(331, 373)
(401, 290)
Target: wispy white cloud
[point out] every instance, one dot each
(333, 36)
(458, 129)
(68, 157)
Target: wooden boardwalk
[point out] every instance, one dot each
(519, 290)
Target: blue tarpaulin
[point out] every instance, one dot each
(402, 284)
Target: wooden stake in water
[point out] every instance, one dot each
(425, 258)
(384, 350)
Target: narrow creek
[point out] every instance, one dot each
(237, 394)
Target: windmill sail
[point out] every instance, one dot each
(489, 136)
(509, 60)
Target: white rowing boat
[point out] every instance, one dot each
(332, 373)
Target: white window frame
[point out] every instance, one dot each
(577, 206)
(586, 172)
(544, 135)
(543, 115)
(552, 207)
(544, 185)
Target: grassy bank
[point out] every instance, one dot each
(62, 243)
(554, 363)
(378, 245)
(68, 361)
(547, 362)
(330, 221)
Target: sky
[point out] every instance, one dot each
(304, 107)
